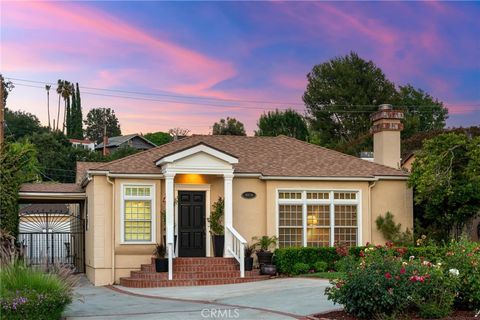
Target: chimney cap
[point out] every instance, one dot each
(385, 106)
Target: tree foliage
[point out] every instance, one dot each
(343, 92)
(288, 122)
(18, 165)
(75, 117)
(340, 96)
(446, 180)
(159, 137)
(20, 124)
(97, 118)
(423, 113)
(7, 87)
(229, 127)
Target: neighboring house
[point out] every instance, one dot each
(135, 141)
(83, 143)
(304, 194)
(407, 163)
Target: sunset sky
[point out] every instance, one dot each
(190, 64)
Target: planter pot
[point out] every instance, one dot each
(248, 263)
(264, 257)
(161, 265)
(268, 269)
(218, 245)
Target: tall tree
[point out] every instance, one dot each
(7, 87)
(60, 84)
(47, 88)
(446, 180)
(288, 122)
(158, 138)
(229, 127)
(68, 122)
(20, 124)
(96, 121)
(77, 121)
(66, 93)
(340, 96)
(422, 111)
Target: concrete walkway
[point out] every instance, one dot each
(289, 298)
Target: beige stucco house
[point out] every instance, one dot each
(304, 194)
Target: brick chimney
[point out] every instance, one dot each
(386, 127)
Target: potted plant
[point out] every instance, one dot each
(216, 227)
(249, 249)
(263, 244)
(161, 263)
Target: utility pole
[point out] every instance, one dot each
(105, 138)
(47, 87)
(2, 112)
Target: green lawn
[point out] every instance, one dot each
(324, 275)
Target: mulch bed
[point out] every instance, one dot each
(342, 315)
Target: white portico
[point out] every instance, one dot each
(205, 160)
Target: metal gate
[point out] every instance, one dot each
(53, 234)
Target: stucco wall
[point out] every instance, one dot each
(251, 217)
(393, 196)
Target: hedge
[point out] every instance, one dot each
(286, 258)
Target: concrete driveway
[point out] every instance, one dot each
(272, 299)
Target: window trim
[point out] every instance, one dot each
(331, 202)
(152, 198)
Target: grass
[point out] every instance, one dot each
(324, 275)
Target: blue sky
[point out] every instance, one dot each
(248, 51)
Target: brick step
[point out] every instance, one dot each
(148, 283)
(203, 261)
(194, 268)
(192, 275)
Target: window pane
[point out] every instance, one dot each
(318, 195)
(345, 215)
(346, 236)
(138, 223)
(290, 237)
(290, 215)
(318, 215)
(318, 237)
(345, 195)
(289, 195)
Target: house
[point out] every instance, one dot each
(304, 194)
(132, 140)
(83, 143)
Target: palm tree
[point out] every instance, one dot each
(59, 91)
(66, 93)
(47, 87)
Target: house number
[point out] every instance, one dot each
(248, 195)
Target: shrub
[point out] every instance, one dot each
(320, 266)
(465, 256)
(392, 231)
(32, 294)
(300, 268)
(285, 258)
(381, 284)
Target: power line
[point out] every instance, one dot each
(238, 107)
(200, 98)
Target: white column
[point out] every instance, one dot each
(228, 217)
(169, 204)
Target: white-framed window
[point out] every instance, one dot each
(138, 213)
(318, 218)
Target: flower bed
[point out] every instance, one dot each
(32, 294)
(385, 281)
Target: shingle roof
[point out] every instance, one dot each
(45, 187)
(269, 156)
(83, 166)
(118, 140)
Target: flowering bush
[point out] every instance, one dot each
(32, 294)
(385, 282)
(464, 256)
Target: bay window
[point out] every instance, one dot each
(318, 218)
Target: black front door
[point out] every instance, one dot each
(191, 223)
